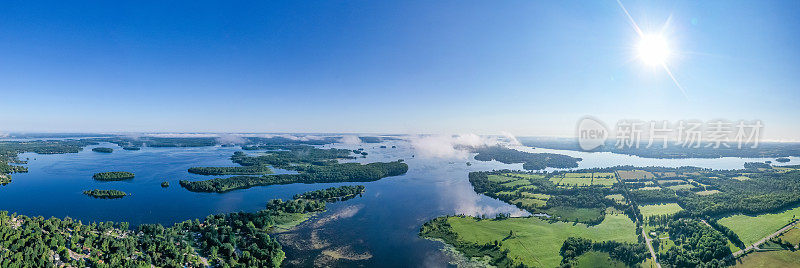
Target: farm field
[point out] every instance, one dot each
(792, 236)
(660, 209)
(596, 259)
(708, 192)
(617, 197)
(681, 187)
(501, 179)
(753, 228)
(779, 258)
(629, 175)
(535, 241)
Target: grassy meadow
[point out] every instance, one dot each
(536, 242)
(750, 229)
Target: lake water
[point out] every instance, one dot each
(378, 229)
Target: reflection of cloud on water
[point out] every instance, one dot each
(466, 201)
(456, 146)
(343, 213)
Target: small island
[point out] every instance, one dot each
(102, 150)
(113, 176)
(5, 179)
(131, 148)
(165, 184)
(105, 194)
(782, 160)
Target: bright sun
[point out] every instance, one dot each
(653, 49)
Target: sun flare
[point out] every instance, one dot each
(653, 49)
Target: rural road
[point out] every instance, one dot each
(784, 229)
(648, 241)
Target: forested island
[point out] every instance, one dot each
(243, 170)
(314, 165)
(113, 176)
(105, 194)
(531, 161)
(102, 150)
(348, 172)
(225, 240)
(165, 184)
(690, 216)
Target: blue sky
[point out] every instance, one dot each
(524, 67)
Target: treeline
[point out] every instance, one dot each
(628, 253)
(113, 176)
(107, 194)
(333, 193)
(531, 161)
(244, 170)
(349, 172)
(696, 245)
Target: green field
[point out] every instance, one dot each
(575, 181)
(627, 175)
(792, 236)
(604, 181)
(516, 183)
(709, 192)
(596, 259)
(524, 176)
(681, 187)
(617, 197)
(751, 229)
(529, 202)
(578, 175)
(535, 241)
(780, 258)
(660, 209)
(650, 188)
(741, 178)
(571, 214)
(500, 179)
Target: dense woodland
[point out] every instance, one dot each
(696, 245)
(226, 240)
(113, 176)
(531, 161)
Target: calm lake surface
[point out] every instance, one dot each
(377, 229)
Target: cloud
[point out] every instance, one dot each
(468, 202)
(231, 139)
(456, 146)
(350, 139)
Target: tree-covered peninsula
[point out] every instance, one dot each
(226, 240)
(530, 161)
(113, 176)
